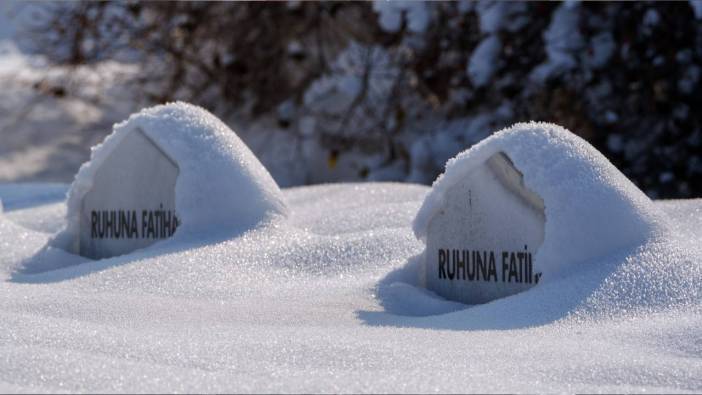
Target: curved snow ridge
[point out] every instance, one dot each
(220, 185)
(591, 208)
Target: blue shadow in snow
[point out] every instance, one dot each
(52, 264)
(406, 304)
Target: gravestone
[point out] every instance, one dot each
(131, 202)
(481, 243)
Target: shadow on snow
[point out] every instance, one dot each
(406, 304)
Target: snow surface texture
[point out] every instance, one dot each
(221, 184)
(592, 210)
(312, 304)
(321, 296)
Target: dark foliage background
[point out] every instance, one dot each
(392, 90)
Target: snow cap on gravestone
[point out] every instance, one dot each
(524, 206)
(174, 163)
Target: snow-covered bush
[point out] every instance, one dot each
(391, 90)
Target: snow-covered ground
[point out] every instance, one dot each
(318, 302)
(323, 298)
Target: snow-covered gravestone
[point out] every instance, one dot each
(480, 243)
(131, 203)
(519, 208)
(167, 168)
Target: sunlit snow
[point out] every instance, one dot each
(324, 301)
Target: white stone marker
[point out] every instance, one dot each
(167, 167)
(526, 206)
(131, 203)
(481, 243)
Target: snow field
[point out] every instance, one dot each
(315, 291)
(306, 306)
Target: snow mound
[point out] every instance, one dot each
(221, 185)
(591, 208)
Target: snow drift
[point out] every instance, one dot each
(221, 185)
(591, 208)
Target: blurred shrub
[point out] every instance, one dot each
(398, 88)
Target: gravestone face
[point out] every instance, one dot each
(131, 203)
(481, 244)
